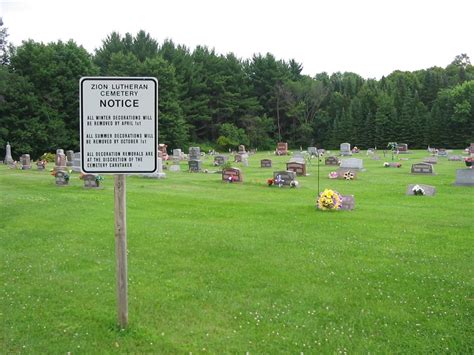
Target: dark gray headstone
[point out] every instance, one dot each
(195, 165)
(265, 163)
(331, 161)
(422, 168)
(220, 160)
(285, 177)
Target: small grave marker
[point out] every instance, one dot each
(422, 168)
(232, 175)
(265, 163)
(348, 202)
(428, 189)
(331, 161)
(25, 162)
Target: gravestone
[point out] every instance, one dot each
(60, 161)
(429, 190)
(375, 157)
(442, 153)
(265, 163)
(195, 166)
(285, 177)
(471, 149)
(242, 149)
(430, 160)
(62, 178)
(298, 156)
(422, 168)
(194, 153)
(175, 166)
(232, 173)
(158, 174)
(194, 163)
(282, 148)
(41, 165)
(348, 202)
(177, 154)
(238, 158)
(219, 160)
(345, 149)
(402, 148)
(464, 177)
(353, 164)
(313, 151)
(454, 158)
(245, 159)
(298, 167)
(91, 181)
(331, 161)
(341, 172)
(8, 154)
(76, 162)
(69, 157)
(25, 162)
(321, 151)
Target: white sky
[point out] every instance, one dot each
(369, 37)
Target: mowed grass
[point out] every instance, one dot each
(235, 268)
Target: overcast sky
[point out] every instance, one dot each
(369, 37)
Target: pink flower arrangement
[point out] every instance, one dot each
(333, 175)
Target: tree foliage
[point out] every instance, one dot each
(223, 101)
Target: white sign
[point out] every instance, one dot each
(119, 125)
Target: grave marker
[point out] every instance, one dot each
(8, 154)
(331, 161)
(232, 175)
(298, 167)
(422, 168)
(345, 149)
(265, 163)
(285, 177)
(25, 162)
(464, 177)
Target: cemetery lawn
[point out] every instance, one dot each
(234, 268)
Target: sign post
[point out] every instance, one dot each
(119, 135)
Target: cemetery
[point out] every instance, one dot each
(225, 263)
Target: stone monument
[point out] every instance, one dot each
(8, 155)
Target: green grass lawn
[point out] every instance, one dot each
(234, 268)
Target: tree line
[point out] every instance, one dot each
(220, 101)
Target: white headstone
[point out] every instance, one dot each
(352, 163)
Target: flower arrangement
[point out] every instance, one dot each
(349, 175)
(329, 200)
(386, 164)
(418, 190)
(269, 182)
(294, 183)
(232, 178)
(333, 175)
(469, 161)
(397, 165)
(279, 181)
(99, 178)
